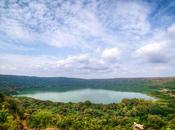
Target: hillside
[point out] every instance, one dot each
(12, 84)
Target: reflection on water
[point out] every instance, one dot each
(93, 95)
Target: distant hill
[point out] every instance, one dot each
(12, 83)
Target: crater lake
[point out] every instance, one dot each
(81, 95)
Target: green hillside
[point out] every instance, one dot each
(12, 84)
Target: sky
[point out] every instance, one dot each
(87, 38)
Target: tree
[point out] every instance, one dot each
(155, 122)
(14, 109)
(41, 119)
(2, 97)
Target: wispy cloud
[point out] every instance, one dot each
(96, 38)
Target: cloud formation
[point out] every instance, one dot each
(111, 54)
(154, 52)
(88, 39)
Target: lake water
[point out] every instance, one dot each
(93, 95)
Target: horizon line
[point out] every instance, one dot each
(143, 77)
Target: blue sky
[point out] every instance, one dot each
(87, 38)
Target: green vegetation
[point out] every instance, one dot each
(80, 116)
(154, 115)
(15, 84)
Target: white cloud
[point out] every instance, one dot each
(23, 62)
(67, 24)
(84, 64)
(61, 39)
(153, 52)
(159, 48)
(111, 54)
(152, 48)
(15, 30)
(128, 17)
(74, 61)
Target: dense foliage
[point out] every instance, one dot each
(80, 116)
(154, 115)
